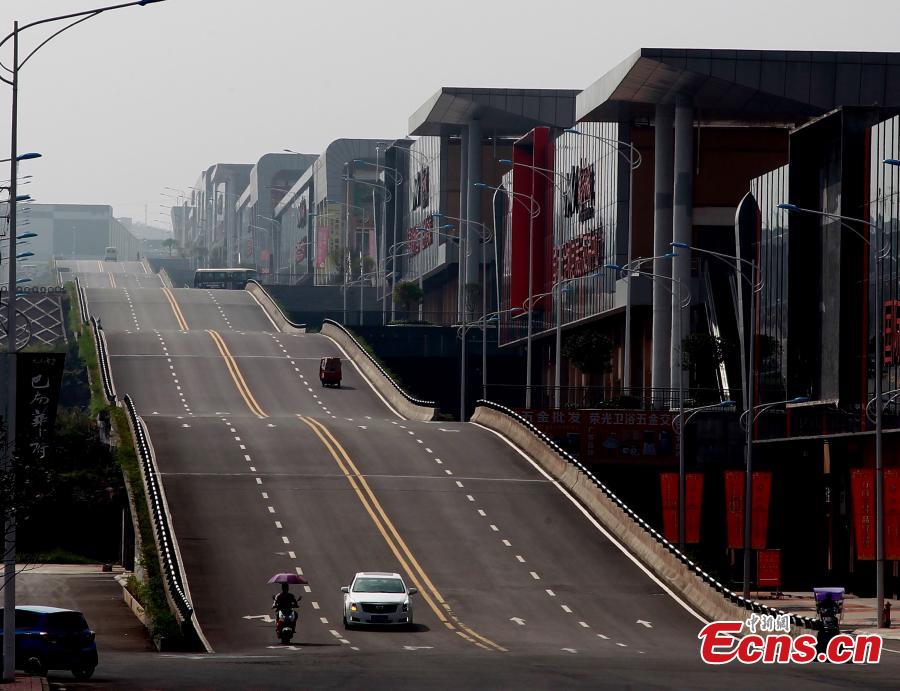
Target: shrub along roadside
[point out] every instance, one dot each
(152, 595)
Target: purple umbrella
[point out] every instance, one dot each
(288, 578)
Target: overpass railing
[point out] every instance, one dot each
(739, 600)
(82, 301)
(103, 362)
(275, 305)
(173, 573)
(408, 397)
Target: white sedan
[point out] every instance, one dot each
(377, 597)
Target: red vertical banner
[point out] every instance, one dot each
(668, 483)
(892, 514)
(693, 501)
(862, 486)
(734, 507)
(768, 568)
(321, 247)
(759, 518)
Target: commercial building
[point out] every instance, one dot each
(723, 138)
(257, 229)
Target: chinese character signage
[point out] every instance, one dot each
(579, 195)
(734, 508)
(862, 485)
(420, 237)
(693, 501)
(302, 214)
(299, 252)
(892, 332)
(580, 256)
(609, 435)
(420, 189)
(37, 394)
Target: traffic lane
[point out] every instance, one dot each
(438, 502)
(94, 280)
(227, 543)
(315, 522)
(113, 308)
(137, 281)
(355, 398)
(152, 309)
(221, 309)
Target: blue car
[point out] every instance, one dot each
(52, 638)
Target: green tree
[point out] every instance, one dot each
(589, 350)
(408, 294)
(702, 353)
(170, 244)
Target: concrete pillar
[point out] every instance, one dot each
(682, 222)
(463, 210)
(662, 236)
(473, 212)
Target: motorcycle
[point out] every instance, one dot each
(285, 624)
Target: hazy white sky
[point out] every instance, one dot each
(143, 98)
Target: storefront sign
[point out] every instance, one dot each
(892, 332)
(580, 192)
(420, 237)
(693, 501)
(321, 247)
(39, 377)
(249, 247)
(421, 189)
(862, 486)
(734, 508)
(609, 435)
(300, 252)
(579, 256)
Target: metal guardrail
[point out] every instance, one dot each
(739, 600)
(411, 399)
(82, 302)
(275, 304)
(103, 362)
(168, 556)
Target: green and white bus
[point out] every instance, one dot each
(234, 279)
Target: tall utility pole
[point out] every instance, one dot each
(9, 459)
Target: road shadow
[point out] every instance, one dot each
(387, 628)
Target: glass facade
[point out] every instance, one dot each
(770, 190)
(589, 210)
(884, 211)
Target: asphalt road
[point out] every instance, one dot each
(266, 471)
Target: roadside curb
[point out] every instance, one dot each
(25, 682)
(272, 310)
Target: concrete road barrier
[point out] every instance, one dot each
(679, 577)
(402, 402)
(272, 309)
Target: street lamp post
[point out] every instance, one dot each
(9, 591)
(879, 375)
(534, 209)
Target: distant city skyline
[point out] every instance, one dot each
(142, 99)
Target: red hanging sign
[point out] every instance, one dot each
(892, 514)
(862, 487)
(693, 501)
(734, 508)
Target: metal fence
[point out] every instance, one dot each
(598, 397)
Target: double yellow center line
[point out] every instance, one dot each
(179, 317)
(397, 545)
(236, 375)
(112, 280)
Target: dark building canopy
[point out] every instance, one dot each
(509, 112)
(742, 86)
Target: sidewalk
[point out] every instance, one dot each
(25, 683)
(858, 615)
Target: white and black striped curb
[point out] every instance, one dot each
(103, 362)
(275, 304)
(82, 303)
(168, 556)
(739, 600)
(417, 401)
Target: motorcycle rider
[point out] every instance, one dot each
(286, 602)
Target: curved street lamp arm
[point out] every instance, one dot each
(54, 35)
(634, 160)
